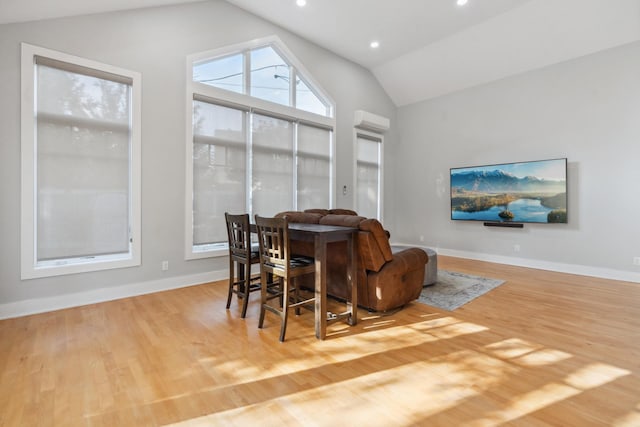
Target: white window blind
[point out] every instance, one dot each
(279, 165)
(83, 145)
(313, 167)
(368, 152)
(272, 185)
(219, 169)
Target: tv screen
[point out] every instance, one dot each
(524, 192)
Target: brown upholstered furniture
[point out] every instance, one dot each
(385, 280)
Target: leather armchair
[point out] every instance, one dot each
(385, 280)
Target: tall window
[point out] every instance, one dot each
(278, 165)
(260, 140)
(368, 174)
(80, 165)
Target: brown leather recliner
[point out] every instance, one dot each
(385, 281)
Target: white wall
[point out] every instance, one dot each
(587, 110)
(154, 42)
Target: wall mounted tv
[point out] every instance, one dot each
(524, 192)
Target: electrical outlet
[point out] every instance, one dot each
(165, 265)
(422, 238)
(636, 260)
(516, 248)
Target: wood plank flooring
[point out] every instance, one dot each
(543, 349)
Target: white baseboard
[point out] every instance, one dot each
(583, 270)
(42, 305)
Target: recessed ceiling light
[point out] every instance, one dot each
(461, 2)
(374, 44)
(301, 3)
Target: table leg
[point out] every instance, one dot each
(320, 249)
(352, 278)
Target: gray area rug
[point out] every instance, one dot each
(453, 290)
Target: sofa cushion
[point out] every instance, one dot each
(374, 227)
(319, 211)
(303, 217)
(343, 220)
(369, 252)
(337, 211)
(343, 212)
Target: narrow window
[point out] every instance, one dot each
(313, 167)
(368, 175)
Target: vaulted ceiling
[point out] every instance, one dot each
(428, 48)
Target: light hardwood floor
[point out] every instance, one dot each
(542, 349)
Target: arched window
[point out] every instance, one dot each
(260, 136)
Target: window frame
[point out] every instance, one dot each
(196, 90)
(30, 267)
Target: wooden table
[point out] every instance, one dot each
(320, 235)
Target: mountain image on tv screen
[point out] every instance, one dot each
(519, 192)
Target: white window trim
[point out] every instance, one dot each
(30, 268)
(249, 103)
(374, 136)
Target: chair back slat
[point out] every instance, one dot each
(273, 239)
(239, 234)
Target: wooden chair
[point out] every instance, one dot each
(242, 255)
(276, 260)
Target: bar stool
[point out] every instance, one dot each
(276, 260)
(242, 255)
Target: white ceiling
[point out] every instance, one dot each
(346, 27)
(428, 48)
(31, 10)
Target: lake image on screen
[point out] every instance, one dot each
(517, 192)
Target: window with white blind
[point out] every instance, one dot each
(368, 173)
(219, 170)
(256, 143)
(80, 165)
(272, 165)
(313, 167)
(279, 164)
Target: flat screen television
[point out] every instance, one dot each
(523, 192)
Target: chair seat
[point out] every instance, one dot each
(255, 257)
(298, 261)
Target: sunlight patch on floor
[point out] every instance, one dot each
(545, 356)
(632, 419)
(422, 388)
(403, 336)
(594, 375)
(526, 353)
(511, 348)
(528, 403)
